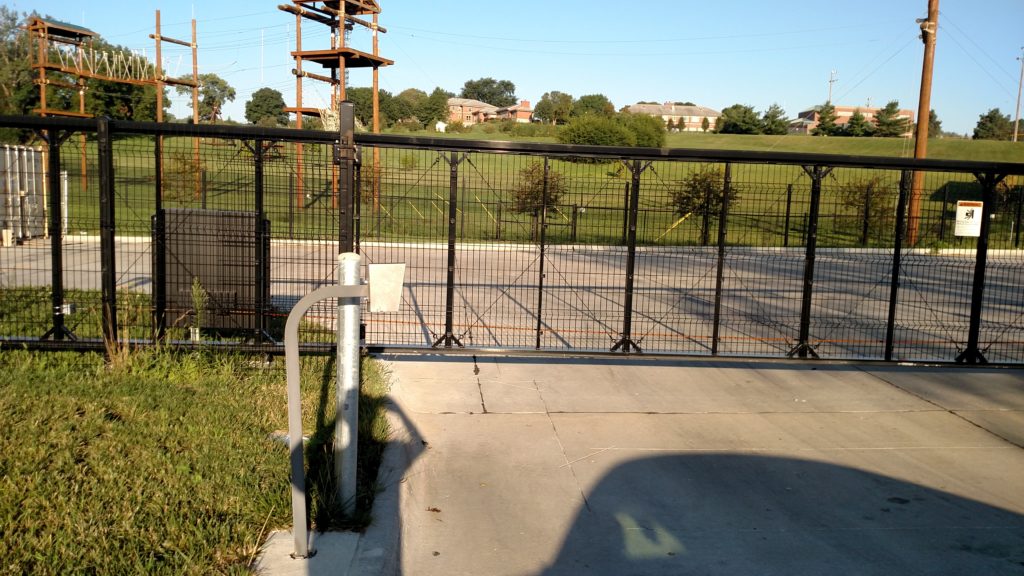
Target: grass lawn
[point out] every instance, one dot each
(162, 463)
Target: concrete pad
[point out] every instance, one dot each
(691, 468)
(491, 495)
(334, 553)
(709, 388)
(1006, 424)
(960, 388)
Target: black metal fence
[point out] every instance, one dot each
(178, 233)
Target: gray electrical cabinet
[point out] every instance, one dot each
(229, 253)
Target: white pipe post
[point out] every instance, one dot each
(300, 530)
(347, 393)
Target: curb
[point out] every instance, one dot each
(379, 548)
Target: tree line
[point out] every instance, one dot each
(589, 119)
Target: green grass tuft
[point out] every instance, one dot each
(163, 466)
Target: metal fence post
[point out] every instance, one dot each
(723, 219)
(159, 267)
(973, 355)
(626, 343)
(897, 261)
(449, 337)
(346, 422)
(262, 241)
(1020, 208)
(105, 151)
(55, 138)
(803, 347)
(789, 206)
(543, 241)
(346, 151)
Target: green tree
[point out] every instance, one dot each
(596, 131)
(434, 108)
(498, 93)
(739, 119)
(598, 104)
(934, 125)
(648, 131)
(214, 92)
(857, 125)
(702, 193)
(266, 107)
(826, 121)
(529, 195)
(407, 103)
(554, 107)
(888, 122)
(705, 124)
(362, 100)
(993, 125)
(773, 121)
(872, 201)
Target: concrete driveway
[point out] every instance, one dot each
(537, 466)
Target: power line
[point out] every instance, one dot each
(946, 18)
(873, 25)
(980, 65)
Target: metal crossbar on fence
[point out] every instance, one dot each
(512, 246)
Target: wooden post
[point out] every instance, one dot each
(929, 28)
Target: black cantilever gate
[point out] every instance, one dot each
(513, 246)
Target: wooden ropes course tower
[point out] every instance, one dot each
(340, 16)
(62, 53)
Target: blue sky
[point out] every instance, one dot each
(712, 53)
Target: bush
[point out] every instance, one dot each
(702, 193)
(596, 131)
(648, 130)
(407, 125)
(533, 130)
(529, 196)
(457, 127)
(873, 202)
(181, 177)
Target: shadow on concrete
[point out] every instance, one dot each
(748, 514)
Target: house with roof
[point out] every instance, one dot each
(469, 112)
(685, 117)
(806, 121)
(521, 112)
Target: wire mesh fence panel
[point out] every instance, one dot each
(507, 246)
(585, 257)
(853, 263)
(80, 254)
(764, 260)
(676, 259)
(936, 282)
(406, 221)
(1002, 318)
(497, 279)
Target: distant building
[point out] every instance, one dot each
(685, 118)
(521, 112)
(806, 121)
(469, 112)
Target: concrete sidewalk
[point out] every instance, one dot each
(539, 466)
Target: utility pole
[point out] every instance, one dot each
(832, 79)
(929, 27)
(1020, 84)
